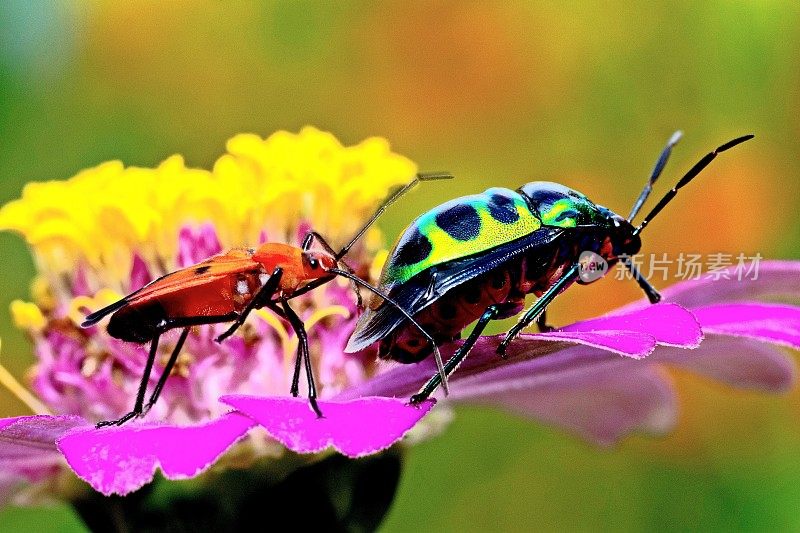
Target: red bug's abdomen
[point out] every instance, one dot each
(142, 320)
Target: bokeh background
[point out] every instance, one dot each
(499, 93)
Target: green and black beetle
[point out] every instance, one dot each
(476, 257)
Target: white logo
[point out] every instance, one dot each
(592, 267)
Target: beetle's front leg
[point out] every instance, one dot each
(538, 308)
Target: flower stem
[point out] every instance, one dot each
(16, 388)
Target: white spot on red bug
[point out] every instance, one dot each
(241, 287)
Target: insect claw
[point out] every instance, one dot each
(417, 399)
(502, 347)
(315, 407)
(118, 422)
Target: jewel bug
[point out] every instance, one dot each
(477, 257)
(226, 288)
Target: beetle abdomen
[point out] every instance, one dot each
(449, 315)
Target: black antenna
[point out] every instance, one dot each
(689, 176)
(426, 176)
(660, 164)
(436, 354)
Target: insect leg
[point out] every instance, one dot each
(312, 236)
(260, 299)
(652, 294)
(536, 309)
(137, 408)
(541, 322)
(490, 314)
(436, 353)
(295, 388)
(302, 353)
(167, 370)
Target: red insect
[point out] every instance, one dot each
(226, 288)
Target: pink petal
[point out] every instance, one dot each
(529, 359)
(600, 406)
(140, 274)
(669, 323)
(776, 279)
(633, 333)
(120, 460)
(767, 322)
(28, 443)
(628, 343)
(740, 362)
(526, 369)
(355, 428)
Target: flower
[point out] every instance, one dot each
(573, 377)
(603, 397)
(600, 378)
(111, 229)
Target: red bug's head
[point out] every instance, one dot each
(317, 264)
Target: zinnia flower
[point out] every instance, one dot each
(112, 229)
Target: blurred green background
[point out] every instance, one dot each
(499, 93)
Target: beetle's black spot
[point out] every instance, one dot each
(502, 209)
(546, 198)
(567, 213)
(461, 222)
(202, 269)
(413, 249)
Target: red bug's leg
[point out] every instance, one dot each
(312, 236)
(302, 353)
(167, 370)
(137, 408)
(437, 356)
(295, 389)
(260, 299)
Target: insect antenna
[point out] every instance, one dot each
(659, 166)
(689, 176)
(436, 354)
(422, 176)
